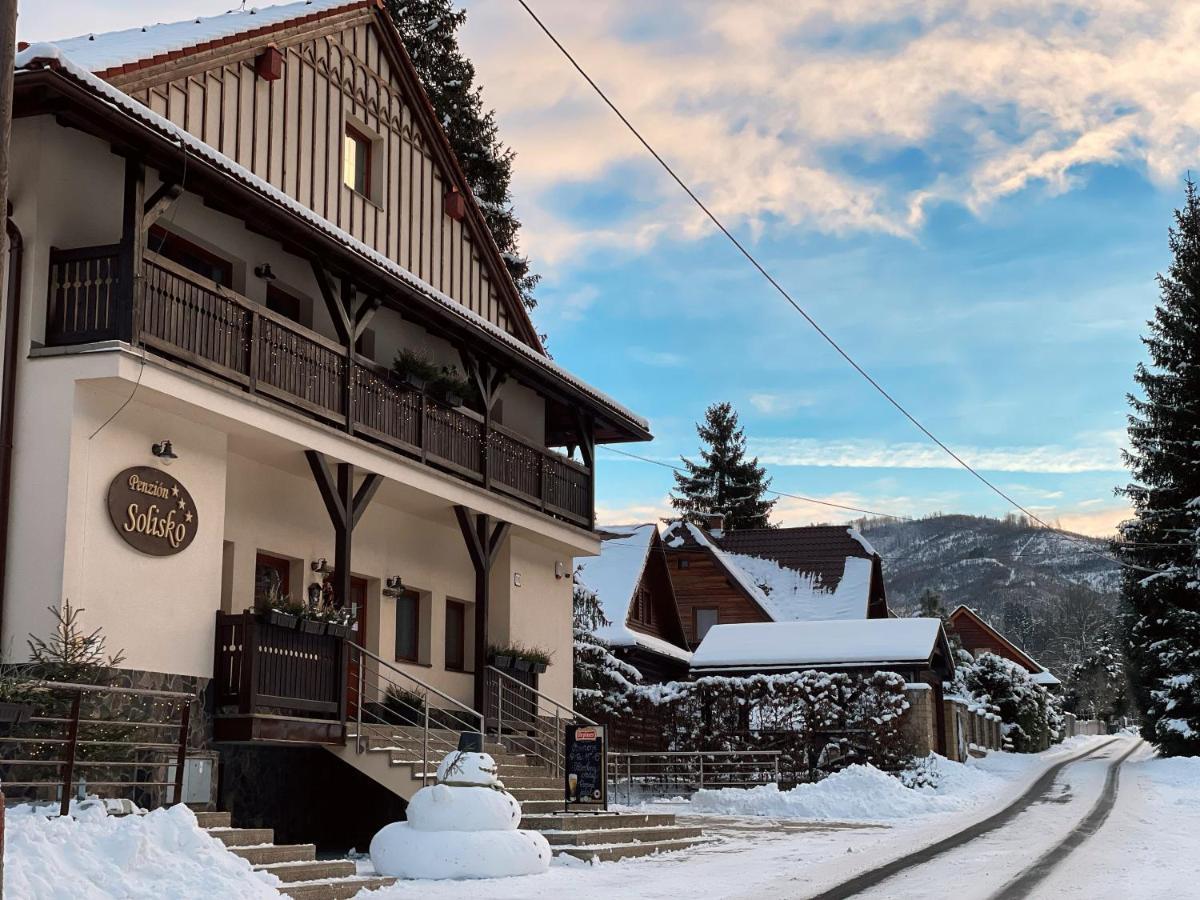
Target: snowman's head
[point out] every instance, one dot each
(460, 767)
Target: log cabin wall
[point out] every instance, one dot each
(290, 132)
(653, 610)
(700, 582)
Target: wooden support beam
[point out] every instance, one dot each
(364, 314)
(483, 542)
(345, 507)
(133, 246)
(160, 201)
(337, 312)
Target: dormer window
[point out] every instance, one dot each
(356, 161)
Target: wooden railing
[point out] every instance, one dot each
(267, 669)
(189, 318)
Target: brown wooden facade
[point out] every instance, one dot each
(702, 582)
(341, 68)
(977, 636)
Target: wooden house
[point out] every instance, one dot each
(977, 636)
(772, 575)
(631, 580)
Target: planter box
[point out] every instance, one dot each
(452, 398)
(282, 619)
(312, 626)
(539, 667)
(413, 381)
(524, 665)
(338, 631)
(501, 661)
(15, 713)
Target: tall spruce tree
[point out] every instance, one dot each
(429, 29)
(725, 482)
(1161, 545)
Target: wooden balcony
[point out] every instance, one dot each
(187, 318)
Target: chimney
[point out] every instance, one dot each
(714, 523)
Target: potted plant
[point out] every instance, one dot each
(450, 386)
(311, 624)
(338, 622)
(538, 658)
(502, 657)
(415, 369)
(403, 707)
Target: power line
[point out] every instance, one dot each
(780, 289)
(666, 465)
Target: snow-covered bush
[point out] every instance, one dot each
(1030, 716)
(602, 681)
(820, 722)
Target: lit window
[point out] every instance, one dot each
(356, 164)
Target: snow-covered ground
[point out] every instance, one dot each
(95, 856)
(816, 835)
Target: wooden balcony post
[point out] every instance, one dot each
(255, 340)
(133, 245)
(248, 688)
(483, 545)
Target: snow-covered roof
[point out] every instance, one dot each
(613, 577)
(843, 644)
(794, 574)
(1045, 679)
(40, 55)
(103, 52)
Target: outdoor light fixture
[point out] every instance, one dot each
(164, 452)
(393, 586)
(560, 569)
(314, 594)
(264, 272)
(320, 565)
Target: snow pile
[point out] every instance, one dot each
(816, 644)
(1176, 779)
(789, 595)
(465, 826)
(94, 856)
(857, 793)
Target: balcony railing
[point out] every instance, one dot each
(188, 318)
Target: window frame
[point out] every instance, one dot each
(415, 598)
(164, 243)
(352, 132)
(281, 565)
(716, 611)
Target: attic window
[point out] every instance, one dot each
(356, 162)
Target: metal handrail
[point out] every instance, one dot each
(463, 716)
(684, 770)
(111, 689)
(579, 717)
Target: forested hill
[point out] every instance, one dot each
(1049, 590)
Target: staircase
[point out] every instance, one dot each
(305, 877)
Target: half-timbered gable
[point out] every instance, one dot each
(322, 103)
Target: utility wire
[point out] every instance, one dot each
(782, 291)
(666, 465)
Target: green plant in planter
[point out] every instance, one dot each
(451, 385)
(403, 707)
(416, 369)
(520, 657)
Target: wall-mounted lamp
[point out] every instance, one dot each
(321, 566)
(560, 569)
(264, 272)
(393, 586)
(315, 592)
(164, 452)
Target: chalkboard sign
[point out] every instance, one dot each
(587, 766)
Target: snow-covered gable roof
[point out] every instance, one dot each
(1045, 679)
(103, 53)
(831, 644)
(613, 577)
(794, 574)
(38, 55)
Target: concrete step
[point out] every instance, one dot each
(622, 835)
(267, 854)
(242, 837)
(535, 793)
(542, 806)
(589, 822)
(610, 852)
(337, 889)
(213, 819)
(311, 870)
(515, 781)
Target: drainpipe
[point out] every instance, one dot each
(8, 391)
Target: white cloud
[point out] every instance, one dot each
(780, 404)
(884, 455)
(661, 359)
(755, 103)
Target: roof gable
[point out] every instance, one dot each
(975, 634)
(178, 60)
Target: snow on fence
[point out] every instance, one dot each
(641, 775)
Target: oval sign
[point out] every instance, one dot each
(152, 511)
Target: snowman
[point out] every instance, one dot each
(464, 826)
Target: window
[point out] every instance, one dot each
(288, 305)
(705, 619)
(642, 607)
(456, 635)
(356, 162)
(684, 563)
(272, 579)
(190, 256)
(408, 626)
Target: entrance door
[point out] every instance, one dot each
(358, 597)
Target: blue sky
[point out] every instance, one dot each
(973, 199)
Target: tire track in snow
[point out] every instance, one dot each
(1035, 793)
(1022, 886)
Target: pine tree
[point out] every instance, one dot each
(931, 606)
(1161, 545)
(603, 682)
(725, 482)
(429, 29)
